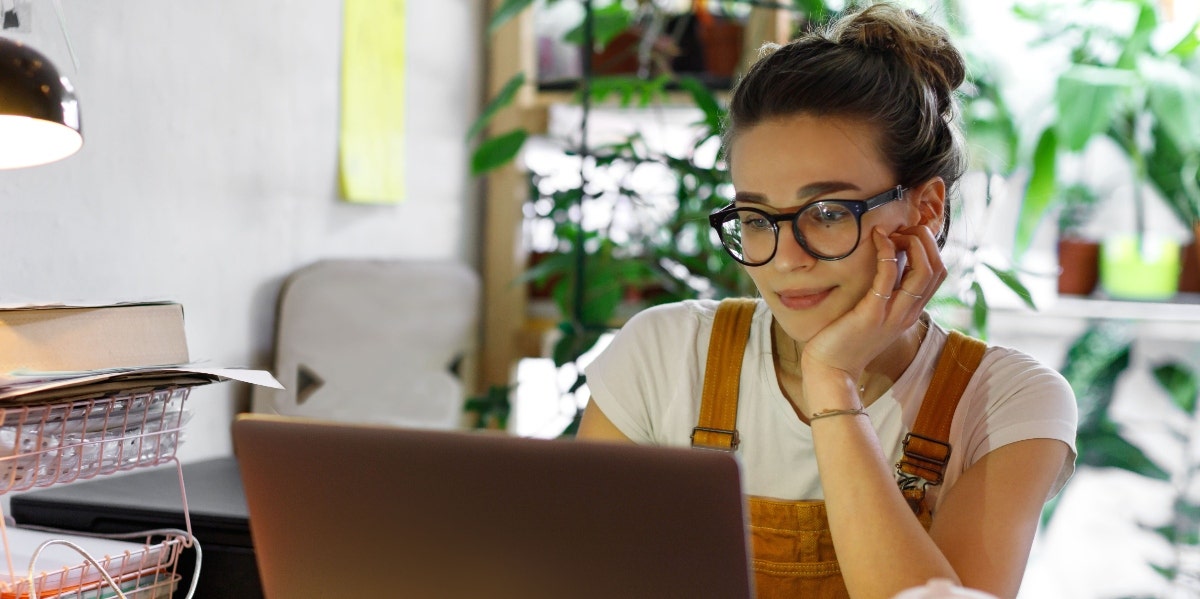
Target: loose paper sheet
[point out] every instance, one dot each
(372, 129)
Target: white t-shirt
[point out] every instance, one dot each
(648, 382)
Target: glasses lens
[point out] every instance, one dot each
(829, 230)
(749, 236)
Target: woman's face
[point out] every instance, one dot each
(784, 164)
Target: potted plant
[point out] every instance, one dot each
(1119, 87)
(1078, 253)
(1174, 169)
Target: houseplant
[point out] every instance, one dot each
(595, 269)
(993, 142)
(1094, 363)
(1120, 87)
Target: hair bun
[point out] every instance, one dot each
(922, 45)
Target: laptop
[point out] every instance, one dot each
(351, 510)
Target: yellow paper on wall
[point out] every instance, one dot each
(371, 140)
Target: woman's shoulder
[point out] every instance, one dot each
(1018, 368)
(694, 314)
(998, 360)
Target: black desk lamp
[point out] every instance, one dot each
(39, 115)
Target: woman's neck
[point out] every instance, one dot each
(876, 379)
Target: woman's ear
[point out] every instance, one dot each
(930, 200)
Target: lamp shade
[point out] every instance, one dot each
(39, 115)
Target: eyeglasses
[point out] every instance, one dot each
(827, 230)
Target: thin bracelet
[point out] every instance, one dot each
(829, 413)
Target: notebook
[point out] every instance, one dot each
(351, 510)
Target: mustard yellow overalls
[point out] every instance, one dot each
(790, 540)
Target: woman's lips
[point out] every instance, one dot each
(801, 299)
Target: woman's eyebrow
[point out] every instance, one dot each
(811, 190)
(821, 188)
(748, 197)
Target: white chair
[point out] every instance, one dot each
(373, 341)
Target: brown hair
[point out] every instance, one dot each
(883, 64)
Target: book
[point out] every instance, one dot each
(85, 338)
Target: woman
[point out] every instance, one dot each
(843, 154)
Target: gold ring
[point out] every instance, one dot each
(882, 297)
(912, 295)
(889, 259)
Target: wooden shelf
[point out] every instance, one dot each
(1177, 319)
(508, 332)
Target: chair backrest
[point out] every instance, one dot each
(373, 341)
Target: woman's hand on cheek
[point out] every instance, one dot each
(892, 305)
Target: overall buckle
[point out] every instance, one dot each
(734, 439)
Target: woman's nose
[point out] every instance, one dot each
(790, 255)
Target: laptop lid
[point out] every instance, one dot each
(345, 510)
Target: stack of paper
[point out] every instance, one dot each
(32, 388)
(59, 569)
(86, 391)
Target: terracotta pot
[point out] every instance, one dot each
(1078, 266)
(1189, 272)
(722, 40)
(544, 288)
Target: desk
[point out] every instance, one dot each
(148, 499)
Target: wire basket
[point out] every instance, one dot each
(44, 445)
(147, 573)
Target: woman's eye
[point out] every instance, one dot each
(826, 215)
(755, 222)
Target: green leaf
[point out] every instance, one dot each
(573, 428)
(1173, 95)
(705, 100)
(506, 12)
(1173, 534)
(627, 87)
(979, 311)
(1094, 362)
(1184, 508)
(492, 409)
(1175, 176)
(1048, 510)
(502, 99)
(1108, 449)
(574, 343)
(1181, 384)
(1039, 191)
(553, 264)
(497, 151)
(1087, 99)
(1186, 47)
(1168, 532)
(1138, 42)
(609, 22)
(580, 381)
(1010, 280)
(814, 10)
(990, 128)
(947, 302)
(1168, 572)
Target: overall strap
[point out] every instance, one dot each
(717, 425)
(927, 447)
